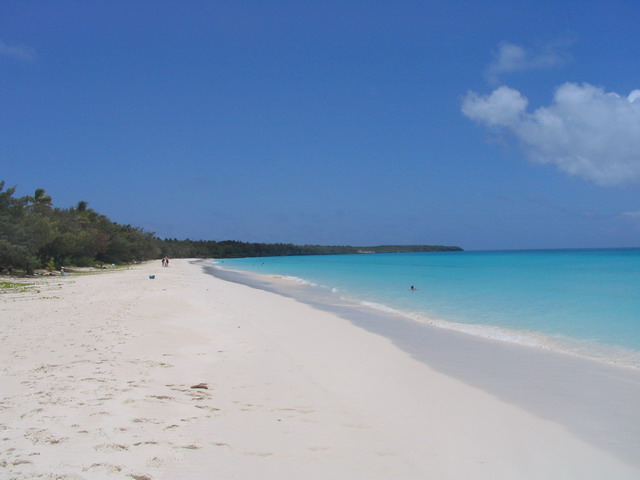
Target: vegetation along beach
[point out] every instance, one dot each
(337, 239)
(271, 366)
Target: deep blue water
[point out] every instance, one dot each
(583, 301)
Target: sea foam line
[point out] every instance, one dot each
(609, 354)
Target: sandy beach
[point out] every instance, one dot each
(104, 376)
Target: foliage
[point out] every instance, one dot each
(34, 233)
(51, 265)
(13, 287)
(230, 249)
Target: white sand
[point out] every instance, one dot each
(96, 374)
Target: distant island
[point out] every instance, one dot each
(34, 234)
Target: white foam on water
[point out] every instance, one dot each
(609, 354)
(301, 281)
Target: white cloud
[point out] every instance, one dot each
(632, 214)
(512, 58)
(503, 107)
(19, 52)
(585, 131)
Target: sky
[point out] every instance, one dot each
(486, 125)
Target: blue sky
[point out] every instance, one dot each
(512, 125)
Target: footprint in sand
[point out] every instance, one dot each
(103, 467)
(99, 413)
(32, 413)
(145, 420)
(207, 407)
(111, 447)
(137, 444)
(188, 447)
(161, 397)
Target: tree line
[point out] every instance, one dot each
(35, 234)
(235, 249)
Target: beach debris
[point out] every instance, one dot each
(201, 385)
(152, 277)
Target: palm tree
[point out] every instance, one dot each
(40, 197)
(39, 202)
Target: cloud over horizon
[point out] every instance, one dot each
(585, 131)
(19, 52)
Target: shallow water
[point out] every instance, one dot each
(581, 301)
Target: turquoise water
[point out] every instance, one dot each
(581, 301)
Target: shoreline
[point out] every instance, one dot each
(97, 376)
(562, 375)
(606, 354)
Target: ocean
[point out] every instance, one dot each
(582, 302)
